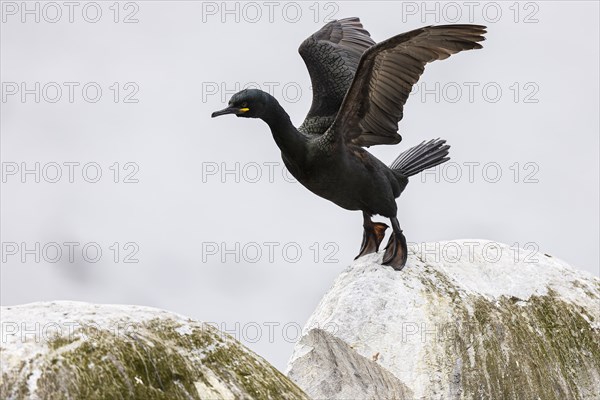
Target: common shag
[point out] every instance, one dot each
(359, 91)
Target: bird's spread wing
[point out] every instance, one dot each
(373, 106)
(331, 56)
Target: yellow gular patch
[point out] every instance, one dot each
(244, 110)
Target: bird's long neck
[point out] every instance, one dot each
(291, 142)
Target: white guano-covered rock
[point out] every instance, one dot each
(467, 319)
(71, 350)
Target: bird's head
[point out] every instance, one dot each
(249, 103)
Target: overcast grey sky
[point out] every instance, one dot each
(218, 229)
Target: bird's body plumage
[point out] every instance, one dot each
(372, 186)
(359, 92)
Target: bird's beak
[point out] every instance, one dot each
(228, 110)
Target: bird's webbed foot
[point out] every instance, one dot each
(373, 234)
(396, 251)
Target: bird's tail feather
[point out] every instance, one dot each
(421, 157)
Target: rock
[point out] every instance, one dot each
(463, 320)
(71, 350)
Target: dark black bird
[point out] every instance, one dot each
(359, 91)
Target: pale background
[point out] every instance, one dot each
(179, 54)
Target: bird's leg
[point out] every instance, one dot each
(372, 236)
(396, 250)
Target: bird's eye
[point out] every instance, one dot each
(244, 104)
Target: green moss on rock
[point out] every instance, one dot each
(157, 358)
(511, 349)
